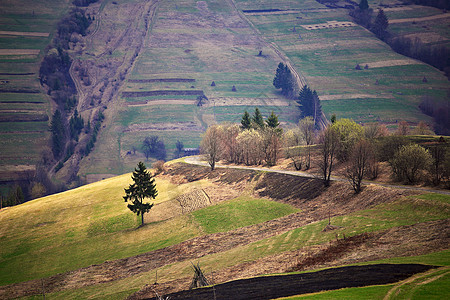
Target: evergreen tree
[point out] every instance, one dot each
(76, 124)
(306, 101)
(277, 81)
(58, 134)
(258, 119)
(310, 103)
(317, 107)
(380, 25)
(272, 121)
(143, 187)
(284, 80)
(363, 5)
(246, 123)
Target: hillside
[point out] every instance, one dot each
(177, 51)
(144, 65)
(26, 29)
(236, 223)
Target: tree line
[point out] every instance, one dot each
(436, 55)
(253, 142)
(359, 148)
(307, 99)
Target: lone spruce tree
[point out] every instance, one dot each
(143, 187)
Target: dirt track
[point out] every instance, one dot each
(271, 287)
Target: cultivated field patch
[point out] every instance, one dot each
(328, 25)
(423, 19)
(19, 51)
(392, 63)
(19, 33)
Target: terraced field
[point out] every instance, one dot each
(26, 28)
(188, 46)
(388, 91)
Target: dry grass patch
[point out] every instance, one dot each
(19, 33)
(423, 19)
(391, 63)
(19, 51)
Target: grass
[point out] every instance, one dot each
(240, 212)
(368, 292)
(402, 212)
(81, 227)
(92, 224)
(25, 16)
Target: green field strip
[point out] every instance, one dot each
(17, 127)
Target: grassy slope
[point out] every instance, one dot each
(91, 224)
(98, 227)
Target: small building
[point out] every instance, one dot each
(191, 151)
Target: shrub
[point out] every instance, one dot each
(159, 167)
(409, 161)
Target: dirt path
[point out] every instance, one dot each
(396, 288)
(195, 160)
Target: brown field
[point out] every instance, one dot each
(38, 34)
(19, 51)
(328, 25)
(423, 19)
(391, 63)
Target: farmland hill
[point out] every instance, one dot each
(233, 223)
(170, 69)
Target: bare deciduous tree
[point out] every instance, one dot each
(230, 146)
(306, 127)
(330, 144)
(359, 163)
(250, 145)
(210, 145)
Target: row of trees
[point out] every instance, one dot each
(307, 99)
(54, 74)
(358, 148)
(254, 142)
(363, 15)
(436, 55)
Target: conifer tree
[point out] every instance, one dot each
(58, 134)
(380, 25)
(258, 118)
(283, 80)
(272, 121)
(246, 123)
(363, 5)
(143, 187)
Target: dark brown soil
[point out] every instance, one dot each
(271, 287)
